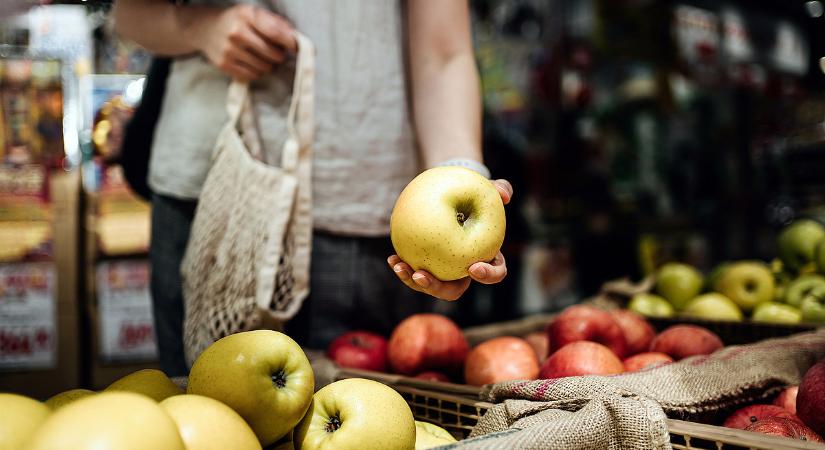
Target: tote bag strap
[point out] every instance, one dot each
(300, 121)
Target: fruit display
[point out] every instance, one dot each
(249, 390)
(810, 398)
(358, 414)
(789, 290)
(427, 341)
(359, 350)
(485, 364)
(446, 219)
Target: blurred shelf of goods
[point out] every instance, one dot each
(645, 131)
(68, 87)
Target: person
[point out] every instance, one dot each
(370, 140)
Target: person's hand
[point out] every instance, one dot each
(243, 41)
(483, 272)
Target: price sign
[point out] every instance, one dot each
(28, 331)
(125, 324)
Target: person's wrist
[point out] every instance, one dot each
(194, 22)
(467, 163)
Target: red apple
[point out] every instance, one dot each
(540, 343)
(810, 400)
(747, 416)
(359, 350)
(781, 426)
(586, 323)
(787, 399)
(641, 360)
(581, 358)
(638, 332)
(427, 341)
(432, 375)
(501, 359)
(682, 341)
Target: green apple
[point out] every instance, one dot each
(798, 241)
(19, 418)
(678, 283)
(802, 286)
(263, 375)
(774, 312)
(428, 435)
(109, 420)
(715, 275)
(651, 305)
(747, 283)
(813, 308)
(819, 256)
(357, 414)
(64, 398)
(446, 219)
(150, 382)
(713, 306)
(205, 424)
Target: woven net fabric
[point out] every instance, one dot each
(247, 262)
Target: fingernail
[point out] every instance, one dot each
(479, 271)
(421, 280)
(397, 268)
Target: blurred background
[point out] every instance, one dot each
(635, 132)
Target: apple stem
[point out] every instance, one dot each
(279, 378)
(333, 424)
(460, 217)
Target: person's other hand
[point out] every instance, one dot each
(483, 272)
(245, 41)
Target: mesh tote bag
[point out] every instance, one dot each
(247, 262)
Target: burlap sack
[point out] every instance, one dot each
(628, 411)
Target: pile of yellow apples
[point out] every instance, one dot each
(246, 391)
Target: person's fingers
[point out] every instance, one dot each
(249, 39)
(505, 189)
(445, 290)
(276, 30)
(403, 271)
(239, 71)
(489, 273)
(252, 61)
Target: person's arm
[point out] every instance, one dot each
(243, 41)
(446, 100)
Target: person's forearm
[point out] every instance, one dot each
(445, 85)
(161, 27)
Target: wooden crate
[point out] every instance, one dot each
(459, 414)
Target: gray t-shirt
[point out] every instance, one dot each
(364, 152)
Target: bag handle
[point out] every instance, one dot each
(300, 117)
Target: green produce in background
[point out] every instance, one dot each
(678, 283)
(651, 305)
(713, 306)
(802, 286)
(797, 243)
(747, 283)
(813, 307)
(819, 257)
(773, 312)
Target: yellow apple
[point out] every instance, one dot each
(207, 424)
(109, 420)
(150, 382)
(64, 398)
(428, 435)
(357, 414)
(446, 219)
(263, 375)
(713, 306)
(747, 283)
(19, 417)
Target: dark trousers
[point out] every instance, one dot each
(351, 286)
